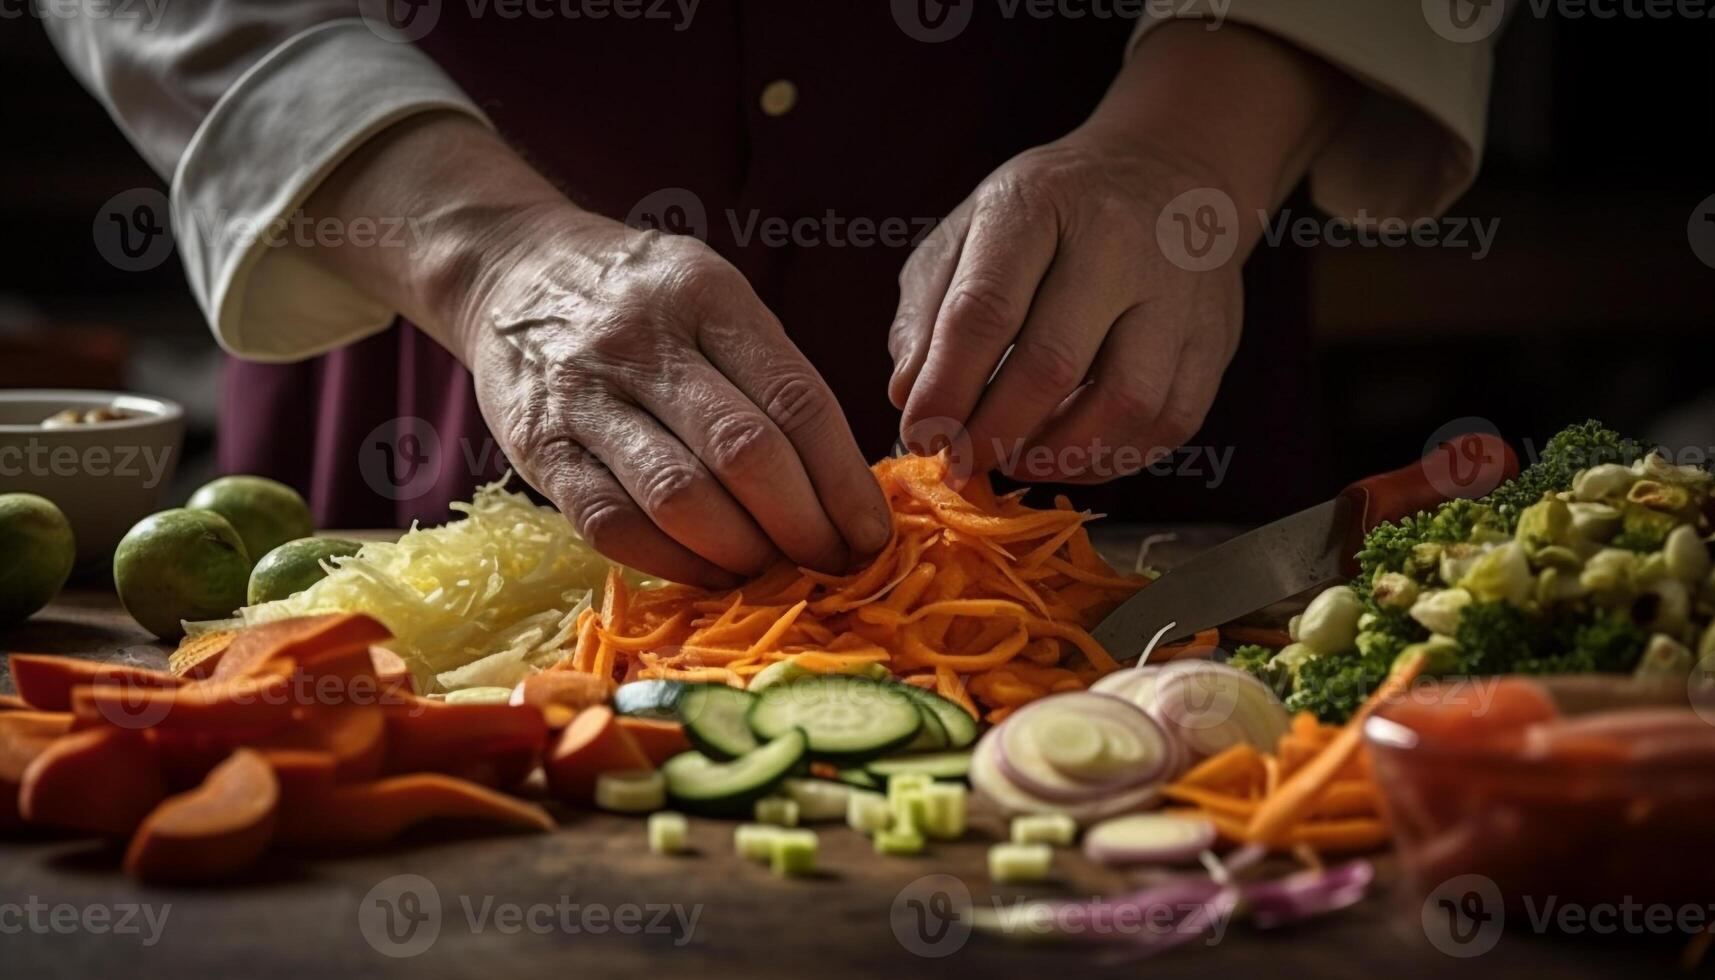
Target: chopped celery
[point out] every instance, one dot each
(777, 810)
(669, 833)
(1020, 863)
(631, 791)
(755, 841)
(1046, 828)
(905, 840)
(867, 812)
(943, 811)
(794, 852)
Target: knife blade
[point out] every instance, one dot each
(1274, 562)
(1311, 548)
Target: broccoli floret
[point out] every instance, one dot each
(1498, 638)
(1333, 685)
(1250, 657)
(1573, 448)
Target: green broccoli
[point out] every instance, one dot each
(1573, 448)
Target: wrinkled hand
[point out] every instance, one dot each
(1117, 351)
(637, 381)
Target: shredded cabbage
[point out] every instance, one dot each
(480, 602)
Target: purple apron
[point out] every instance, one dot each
(886, 134)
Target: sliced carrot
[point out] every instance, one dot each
(659, 739)
(1298, 795)
(390, 668)
(12, 702)
(592, 744)
(566, 690)
(257, 703)
(212, 832)
(300, 639)
(1340, 836)
(23, 736)
(302, 774)
(1235, 765)
(46, 683)
(355, 735)
(365, 814)
(501, 741)
(102, 781)
(1210, 800)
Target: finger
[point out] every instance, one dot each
(677, 492)
(604, 513)
(1004, 257)
(1072, 313)
(748, 454)
(1150, 392)
(922, 285)
(847, 508)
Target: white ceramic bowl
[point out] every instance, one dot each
(106, 476)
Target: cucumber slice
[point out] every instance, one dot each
(649, 699)
(714, 718)
(860, 778)
(936, 765)
(847, 719)
(932, 737)
(961, 727)
(698, 783)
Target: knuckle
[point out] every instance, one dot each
(605, 521)
(1176, 424)
(669, 489)
(981, 311)
(798, 403)
(1051, 363)
(1133, 404)
(742, 443)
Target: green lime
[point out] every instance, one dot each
(39, 549)
(178, 565)
(265, 513)
(294, 567)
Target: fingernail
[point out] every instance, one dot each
(869, 534)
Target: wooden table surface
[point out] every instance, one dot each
(589, 900)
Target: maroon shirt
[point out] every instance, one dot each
(629, 115)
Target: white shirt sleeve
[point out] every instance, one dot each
(1414, 141)
(246, 106)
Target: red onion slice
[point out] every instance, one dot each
(1208, 707)
(1307, 894)
(988, 778)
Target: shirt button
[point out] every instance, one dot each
(778, 97)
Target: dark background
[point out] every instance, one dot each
(1591, 303)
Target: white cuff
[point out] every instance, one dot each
(1413, 143)
(260, 152)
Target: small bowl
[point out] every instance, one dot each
(105, 476)
(1535, 831)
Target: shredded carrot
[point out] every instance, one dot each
(977, 597)
(1313, 795)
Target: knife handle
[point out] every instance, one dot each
(1464, 467)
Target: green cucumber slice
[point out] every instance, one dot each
(961, 727)
(932, 737)
(936, 765)
(859, 778)
(714, 719)
(698, 783)
(847, 719)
